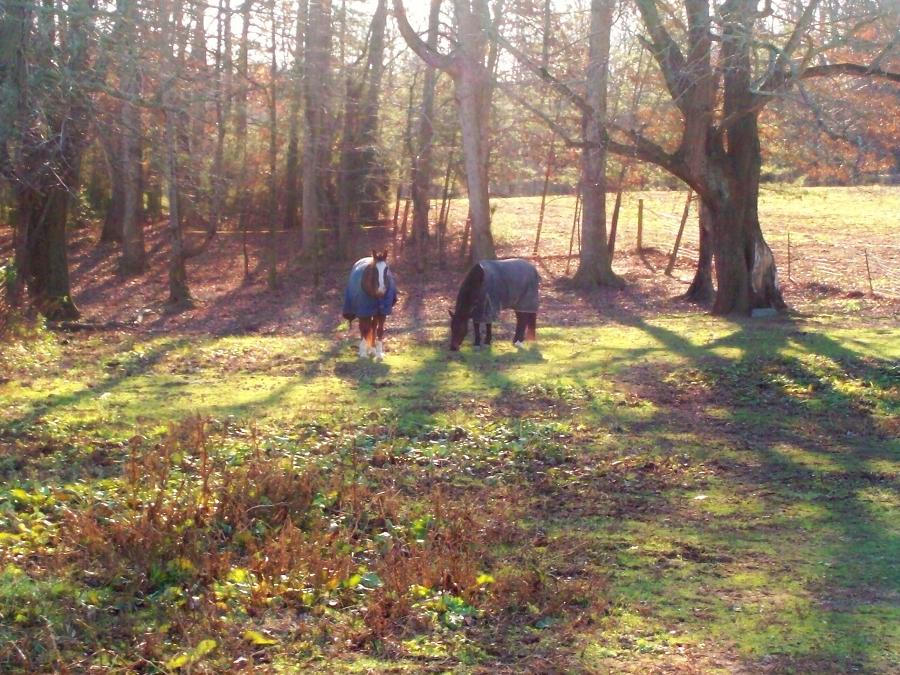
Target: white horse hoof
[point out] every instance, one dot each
(518, 345)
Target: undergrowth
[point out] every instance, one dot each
(210, 546)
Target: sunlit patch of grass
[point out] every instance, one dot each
(671, 491)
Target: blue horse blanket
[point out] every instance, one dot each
(359, 303)
(508, 284)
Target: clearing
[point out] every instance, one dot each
(645, 489)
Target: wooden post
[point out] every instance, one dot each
(397, 209)
(574, 226)
(615, 220)
(684, 217)
(869, 271)
(640, 236)
(550, 160)
(403, 225)
(789, 256)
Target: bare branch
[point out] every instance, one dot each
(430, 56)
(832, 69)
(665, 50)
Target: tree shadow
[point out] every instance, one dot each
(777, 414)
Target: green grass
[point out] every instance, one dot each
(849, 216)
(651, 493)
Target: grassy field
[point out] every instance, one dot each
(660, 493)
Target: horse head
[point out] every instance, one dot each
(459, 326)
(465, 305)
(374, 281)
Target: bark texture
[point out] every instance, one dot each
(468, 66)
(595, 261)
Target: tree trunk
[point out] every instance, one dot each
(469, 92)
(347, 178)
(595, 262)
(472, 80)
(272, 262)
(46, 262)
(745, 266)
(422, 162)
(291, 173)
(374, 177)
(315, 89)
(179, 294)
(112, 219)
(701, 290)
(133, 255)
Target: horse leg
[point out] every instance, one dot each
(520, 329)
(477, 327)
(379, 335)
(370, 338)
(531, 327)
(487, 336)
(365, 324)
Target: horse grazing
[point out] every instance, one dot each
(370, 296)
(490, 286)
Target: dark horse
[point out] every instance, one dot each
(490, 286)
(370, 296)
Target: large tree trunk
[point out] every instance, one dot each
(45, 263)
(52, 170)
(469, 90)
(745, 266)
(595, 262)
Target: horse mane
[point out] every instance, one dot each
(468, 291)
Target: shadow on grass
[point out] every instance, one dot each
(765, 412)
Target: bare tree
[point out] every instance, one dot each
(316, 82)
(468, 68)
(595, 261)
(422, 160)
(719, 151)
(133, 258)
(291, 174)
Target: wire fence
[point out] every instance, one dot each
(870, 268)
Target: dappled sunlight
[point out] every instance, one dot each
(653, 487)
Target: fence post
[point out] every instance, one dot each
(684, 216)
(868, 271)
(789, 256)
(574, 226)
(640, 238)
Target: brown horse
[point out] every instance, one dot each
(370, 296)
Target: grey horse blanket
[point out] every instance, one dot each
(508, 284)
